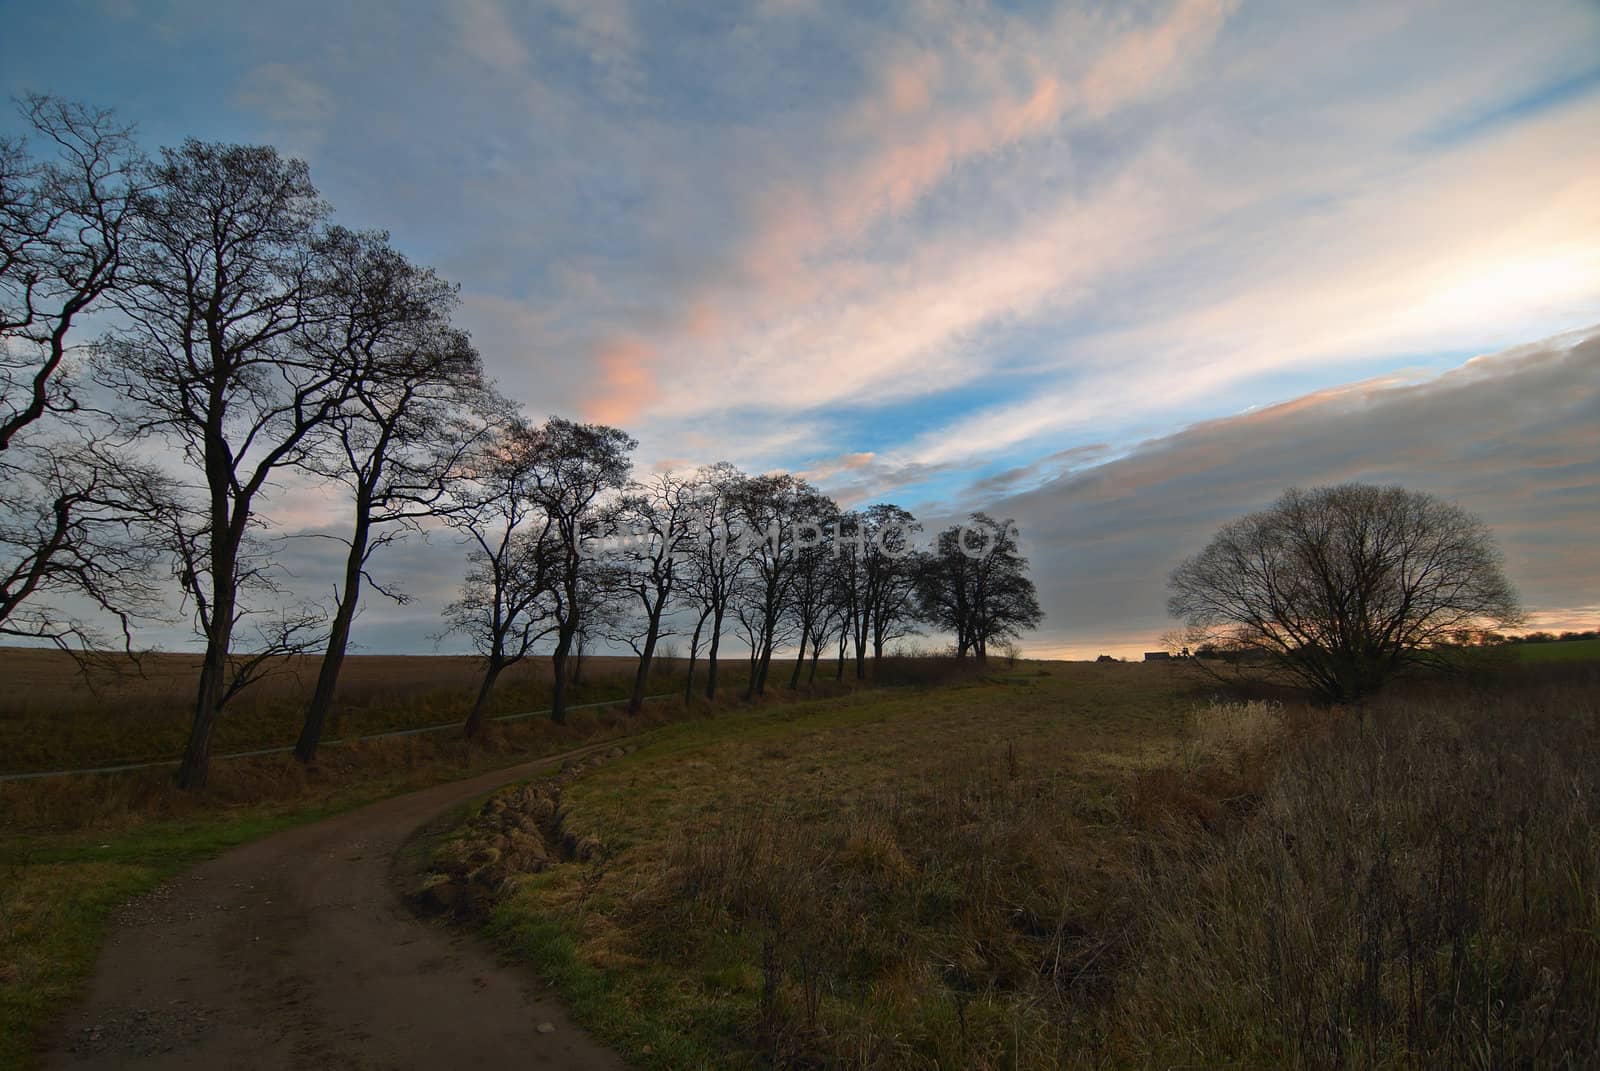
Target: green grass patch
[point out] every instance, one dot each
(1558, 651)
(59, 892)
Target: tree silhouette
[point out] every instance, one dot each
(654, 523)
(974, 584)
(74, 502)
(415, 403)
(1345, 586)
(222, 272)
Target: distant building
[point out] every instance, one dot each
(1157, 656)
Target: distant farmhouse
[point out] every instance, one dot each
(1157, 656)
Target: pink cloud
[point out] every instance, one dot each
(626, 382)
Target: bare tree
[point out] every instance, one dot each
(573, 467)
(879, 586)
(774, 509)
(890, 566)
(223, 268)
(653, 522)
(506, 605)
(1345, 586)
(76, 521)
(74, 503)
(813, 593)
(415, 400)
(63, 226)
(717, 565)
(974, 584)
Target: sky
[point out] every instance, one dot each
(1121, 271)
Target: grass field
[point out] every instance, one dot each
(1090, 866)
(53, 717)
(1559, 651)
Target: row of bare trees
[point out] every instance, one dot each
(185, 335)
(566, 548)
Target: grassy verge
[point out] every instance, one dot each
(1089, 869)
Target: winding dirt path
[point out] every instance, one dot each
(297, 951)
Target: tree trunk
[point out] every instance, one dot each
(475, 719)
(799, 663)
(642, 678)
(558, 692)
(578, 645)
(766, 660)
(711, 655)
(694, 650)
(197, 752)
(305, 749)
(752, 670)
(196, 765)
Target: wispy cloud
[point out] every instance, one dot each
(933, 250)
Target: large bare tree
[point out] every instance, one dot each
(506, 603)
(974, 584)
(222, 281)
(74, 502)
(415, 404)
(1345, 586)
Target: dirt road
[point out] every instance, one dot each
(297, 951)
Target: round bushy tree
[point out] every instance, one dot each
(1345, 586)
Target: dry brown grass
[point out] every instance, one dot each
(1096, 869)
(1419, 888)
(53, 716)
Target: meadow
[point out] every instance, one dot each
(1558, 651)
(55, 715)
(1086, 865)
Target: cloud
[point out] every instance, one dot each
(804, 297)
(1513, 438)
(486, 33)
(285, 95)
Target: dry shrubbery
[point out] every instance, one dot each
(1422, 887)
(515, 832)
(1419, 883)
